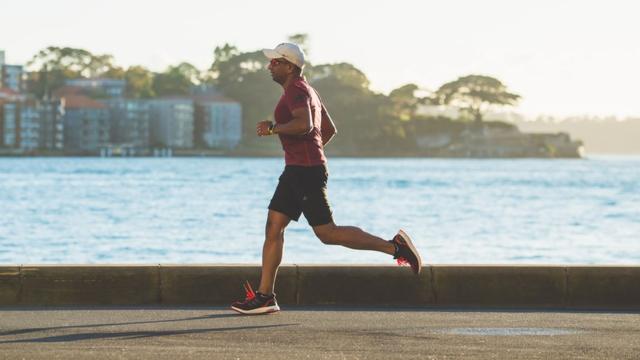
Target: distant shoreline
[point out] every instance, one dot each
(206, 154)
(330, 156)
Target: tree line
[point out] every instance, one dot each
(368, 121)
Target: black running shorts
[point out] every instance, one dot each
(303, 189)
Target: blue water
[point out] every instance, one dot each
(213, 210)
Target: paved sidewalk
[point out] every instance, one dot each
(314, 333)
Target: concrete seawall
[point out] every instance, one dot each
(473, 286)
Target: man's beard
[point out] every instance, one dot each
(277, 79)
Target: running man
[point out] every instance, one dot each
(304, 127)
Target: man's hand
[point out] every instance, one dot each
(262, 128)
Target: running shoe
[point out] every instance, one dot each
(256, 303)
(406, 253)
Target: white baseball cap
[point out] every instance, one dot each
(288, 51)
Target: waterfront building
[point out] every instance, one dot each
(218, 122)
(7, 94)
(129, 123)
(86, 125)
(51, 124)
(19, 123)
(11, 77)
(171, 122)
(8, 124)
(27, 124)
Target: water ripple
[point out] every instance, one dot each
(213, 210)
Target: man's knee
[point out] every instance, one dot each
(326, 233)
(276, 223)
(273, 230)
(272, 225)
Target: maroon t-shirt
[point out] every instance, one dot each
(307, 149)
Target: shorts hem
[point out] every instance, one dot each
(294, 218)
(320, 223)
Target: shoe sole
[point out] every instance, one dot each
(258, 311)
(407, 239)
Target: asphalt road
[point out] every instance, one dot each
(314, 333)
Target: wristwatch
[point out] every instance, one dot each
(271, 127)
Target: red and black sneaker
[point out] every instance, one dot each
(406, 253)
(256, 303)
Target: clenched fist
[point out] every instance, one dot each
(263, 128)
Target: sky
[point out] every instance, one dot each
(564, 57)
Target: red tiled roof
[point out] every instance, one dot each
(9, 91)
(82, 102)
(11, 95)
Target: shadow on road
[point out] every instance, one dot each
(30, 330)
(131, 335)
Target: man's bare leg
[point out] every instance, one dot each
(352, 237)
(272, 250)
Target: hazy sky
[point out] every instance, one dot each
(565, 57)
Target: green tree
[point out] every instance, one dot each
(102, 66)
(221, 55)
(475, 94)
(51, 67)
(73, 62)
(404, 101)
(190, 72)
(115, 72)
(302, 40)
(139, 82)
(344, 73)
(176, 80)
(362, 116)
(243, 77)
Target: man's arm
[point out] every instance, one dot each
(300, 124)
(327, 127)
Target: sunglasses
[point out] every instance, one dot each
(275, 62)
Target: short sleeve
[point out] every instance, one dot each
(296, 98)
